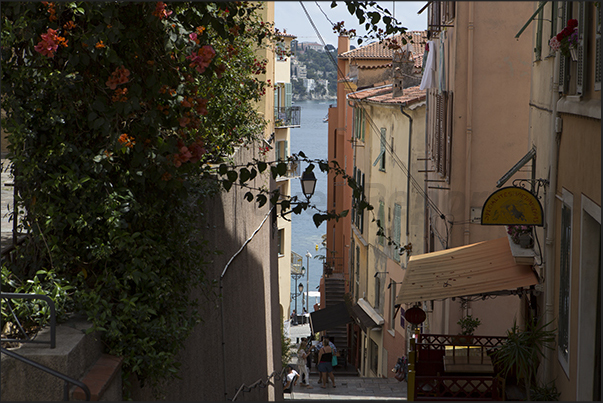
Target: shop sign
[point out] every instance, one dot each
(512, 206)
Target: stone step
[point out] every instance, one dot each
(103, 380)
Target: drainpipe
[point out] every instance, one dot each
(549, 263)
(469, 129)
(222, 297)
(408, 172)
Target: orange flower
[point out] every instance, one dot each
(69, 25)
(126, 140)
(200, 30)
(150, 62)
(166, 176)
(100, 45)
(119, 76)
(120, 95)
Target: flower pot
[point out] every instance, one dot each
(574, 54)
(526, 241)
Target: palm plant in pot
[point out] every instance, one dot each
(520, 354)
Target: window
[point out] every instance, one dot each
(564, 280)
(359, 123)
(282, 150)
(439, 13)
(397, 231)
(358, 214)
(572, 74)
(381, 224)
(281, 242)
(392, 304)
(381, 157)
(357, 275)
(440, 131)
(598, 49)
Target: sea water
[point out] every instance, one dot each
(311, 138)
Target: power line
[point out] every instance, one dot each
(372, 124)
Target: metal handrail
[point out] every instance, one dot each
(51, 371)
(53, 321)
(259, 383)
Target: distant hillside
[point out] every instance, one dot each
(318, 66)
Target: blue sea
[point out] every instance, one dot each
(312, 139)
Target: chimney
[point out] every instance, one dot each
(402, 65)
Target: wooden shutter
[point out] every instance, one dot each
(582, 46)
(362, 213)
(436, 133)
(354, 199)
(538, 48)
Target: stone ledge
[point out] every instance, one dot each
(100, 377)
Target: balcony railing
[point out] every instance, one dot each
(293, 171)
(287, 117)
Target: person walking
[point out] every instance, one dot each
(325, 356)
(302, 355)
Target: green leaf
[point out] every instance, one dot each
(244, 175)
(262, 166)
(318, 219)
(223, 169)
(249, 196)
(99, 105)
(262, 199)
(232, 175)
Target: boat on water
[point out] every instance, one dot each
(325, 119)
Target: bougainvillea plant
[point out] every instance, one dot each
(114, 111)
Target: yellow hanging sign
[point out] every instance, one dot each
(511, 206)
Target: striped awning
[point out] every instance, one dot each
(479, 268)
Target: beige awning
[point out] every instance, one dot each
(479, 268)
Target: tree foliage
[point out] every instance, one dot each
(115, 111)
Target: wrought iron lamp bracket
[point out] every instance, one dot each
(534, 183)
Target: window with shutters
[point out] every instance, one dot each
(381, 157)
(439, 13)
(357, 272)
(359, 123)
(440, 131)
(357, 213)
(573, 74)
(381, 223)
(282, 150)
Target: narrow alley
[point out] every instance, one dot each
(347, 387)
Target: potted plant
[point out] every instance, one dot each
(468, 325)
(519, 356)
(566, 41)
(521, 235)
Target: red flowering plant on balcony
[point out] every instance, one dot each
(567, 39)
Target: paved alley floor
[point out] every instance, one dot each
(351, 388)
(347, 387)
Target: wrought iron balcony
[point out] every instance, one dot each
(287, 117)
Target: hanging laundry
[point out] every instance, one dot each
(429, 73)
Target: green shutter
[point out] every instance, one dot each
(288, 95)
(286, 153)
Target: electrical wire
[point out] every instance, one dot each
(372, 125)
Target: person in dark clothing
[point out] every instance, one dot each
(325, 356)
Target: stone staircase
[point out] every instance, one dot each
(334, 294)
(77, 355)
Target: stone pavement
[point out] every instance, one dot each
(351, 388)
(347, 387)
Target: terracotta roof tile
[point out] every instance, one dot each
(384, 95)
(377, 50)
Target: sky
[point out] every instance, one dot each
(290, 16)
